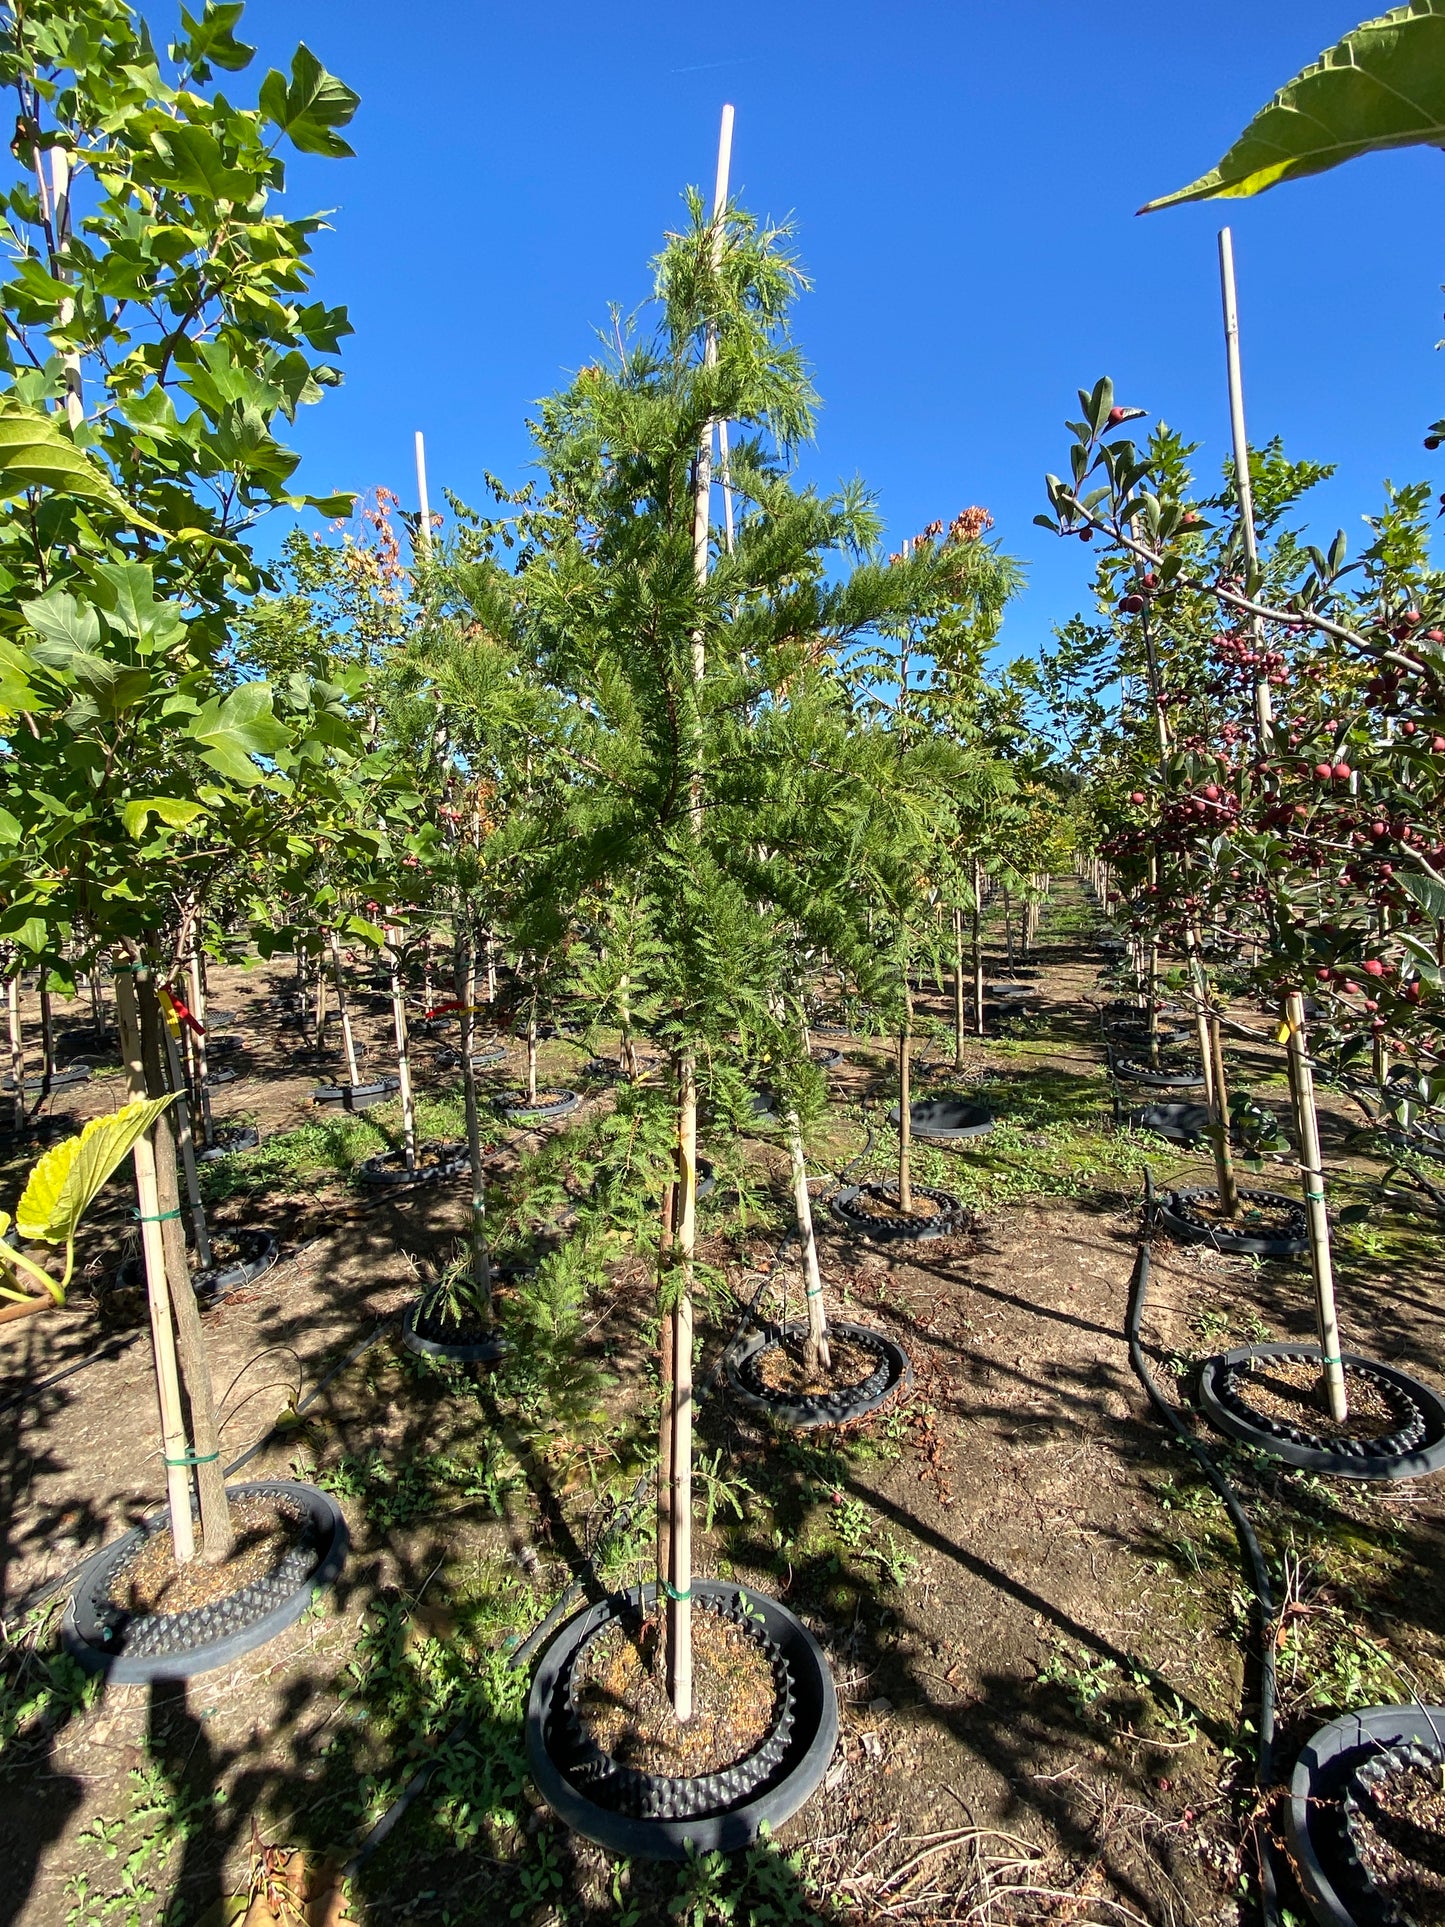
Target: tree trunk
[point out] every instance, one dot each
(17, 1047)
(181, 1112)
(343, 1011)
(532, 1054)
(1008, 928)
(1312, 1176)
(1223, 1150)
(403, 1055)
(321, 1004)
(978, 948)
(816, 1356)
(666, 1335)
(218, 1539)
(679, 1601)
(197, 1047)
(175, 1452)
(905, 1097)
(47, 1035)
(959, 1004)
(466, 977)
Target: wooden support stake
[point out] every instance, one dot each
(1312, 1176)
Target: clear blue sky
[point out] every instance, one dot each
(964, 177)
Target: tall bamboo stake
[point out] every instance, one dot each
(679, 1590)
(424, 523)
(978, 946)
(959, 1004)
(1244, 487)
(181, 1111)
(905, 1106)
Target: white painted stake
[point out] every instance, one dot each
(1244, 488)
(424, 527)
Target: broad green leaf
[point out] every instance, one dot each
(34, 453)
(68, 1177)
(314, 104)
(192, 163)
(1383, 85)
(212, 39)
(72, 627)
(16, 692)
(170, 809)
(1429, 894)
(127, 593)
(237, 728)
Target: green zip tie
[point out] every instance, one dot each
(813, 1291)
(666, 1587)
(1315, 1197)
(1330, 1361)
(160, 1217)
(192, 1458)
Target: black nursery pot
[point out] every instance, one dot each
(853, 1208)
(60, 1080)
(516, 1108)
(892, 1372)
(259, 1251)
(423, 1331)
(654, 1818)
(948, 1117)
(229, 1139)
(1414, 1447)
(356, 1097)
(134, 1649)
(1327, 1775)
(1178, 1215)
(436, 1163)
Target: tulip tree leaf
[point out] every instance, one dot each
(1382, 86)
(238, 727)
(68, 1177)
(34, 453)
(174, 813)
(311, 107)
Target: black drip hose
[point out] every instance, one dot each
(1257, 1570)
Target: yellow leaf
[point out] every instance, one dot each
(68, 1177)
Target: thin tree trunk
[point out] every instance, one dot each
(197, 1047)
(47, 1036)
(666, 1335)
(679, 1614)
(905, 1102)
(1008, 928)
(181, 1112)
(466, 977)
(1223, 1150)
(1312, 1176)
(321, 1005)
(959, 1002)
(343, 1010)
(816, 1356)
(217, 1537)
(978, 948)
(532, 1054)
(97, 1003)
(17, 1047)
(175, 1451)
(403, 1055)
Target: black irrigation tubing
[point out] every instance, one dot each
(1257, 1569)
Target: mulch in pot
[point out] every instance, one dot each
(1293, 1391)
(782, 1369)
(1269, 1220)
(624, 1708)
(1397, 1828)
(882, 1202)
(153, 1583)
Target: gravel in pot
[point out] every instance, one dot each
(600, 1745)
(437, 1162)
(135, 1618)
(1269, 1225)
(767, 1371)
(873, 1211)
(1267, 1396)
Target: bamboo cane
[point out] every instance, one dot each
(424, 518)
(175, 1451)
(959, 1002)
(17, 1046)
(905, 1105)
(978, 946)
(217, 1537)
(403, 1057)
(1244, 487)
(666, 1348)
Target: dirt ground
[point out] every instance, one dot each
(1033, 1607)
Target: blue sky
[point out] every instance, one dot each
(964, 178)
